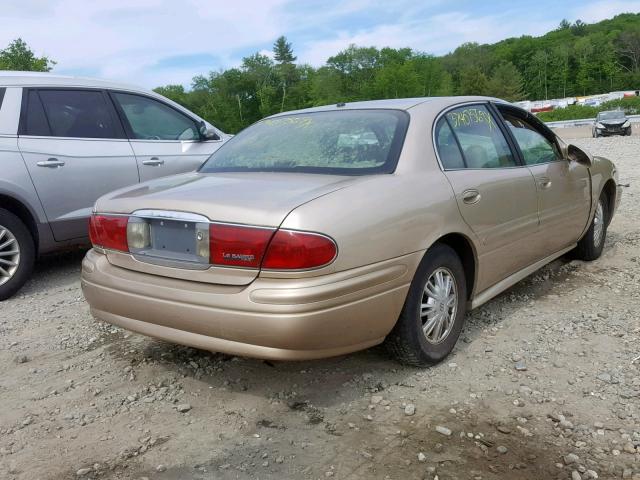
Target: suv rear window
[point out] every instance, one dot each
(77, 113)
(35, 120)
(342, 142)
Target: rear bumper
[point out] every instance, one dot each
(281, 319)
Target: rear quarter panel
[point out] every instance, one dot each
(385, 217)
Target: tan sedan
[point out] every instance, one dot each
(325, 231)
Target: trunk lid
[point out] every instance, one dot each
(259, 198)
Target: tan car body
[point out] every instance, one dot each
(382, 224)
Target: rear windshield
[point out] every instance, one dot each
(343, 142)
(611, 115)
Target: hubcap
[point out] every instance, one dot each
(598, 225)
(9, 255)
(439, 305)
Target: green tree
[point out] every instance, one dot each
(176, 93)
(285, 69)
(18, 56)
(506, 82)
(282, 51)
(473, 81)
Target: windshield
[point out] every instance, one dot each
(351, 142)
(617, 115)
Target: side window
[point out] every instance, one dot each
(77, 113)
(482, 142)
(447, 146)
(535, 147)
(152, 120)
(2, 91)
(35, 121)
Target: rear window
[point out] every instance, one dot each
(77, 113)
(344, 142)
(35, 121)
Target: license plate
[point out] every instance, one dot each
(173, 236)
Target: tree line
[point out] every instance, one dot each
(572, 60)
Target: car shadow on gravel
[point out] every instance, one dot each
(319, 383)
(61, 268)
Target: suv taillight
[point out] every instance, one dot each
(109, 231)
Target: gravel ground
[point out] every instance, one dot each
(542, 384)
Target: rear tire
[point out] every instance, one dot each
(17, 254)
(433, 313)
(590, 246)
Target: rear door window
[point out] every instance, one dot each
(78, 114)
(34, 121)
(152, 120)
(447, 146)
(482, 143)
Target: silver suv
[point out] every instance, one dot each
(65, 141)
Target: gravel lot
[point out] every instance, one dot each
(543, 384)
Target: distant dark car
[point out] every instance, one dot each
(613, 122)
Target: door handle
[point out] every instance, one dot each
(153, 162)
(471, 196)
(51, 163)
(544, 182)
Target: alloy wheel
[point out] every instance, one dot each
(439, 305)
(598, 224)
(9, 255)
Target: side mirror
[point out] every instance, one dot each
(574, 154)
(208, 133)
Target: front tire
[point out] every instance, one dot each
(17, 254)
(591, 245)
(433, 313)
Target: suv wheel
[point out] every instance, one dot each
(17, 254)
(433, 313)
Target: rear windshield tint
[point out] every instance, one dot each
(343, 142)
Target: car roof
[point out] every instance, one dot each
(393, 104)
(44, 79)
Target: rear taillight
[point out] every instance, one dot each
(228, 245)
(251, 247)
(238, 246)
(108, 231)
(293, 250)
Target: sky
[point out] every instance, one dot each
(160, 42)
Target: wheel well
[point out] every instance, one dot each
(463, 247)
(609, 190)
(23, 213)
